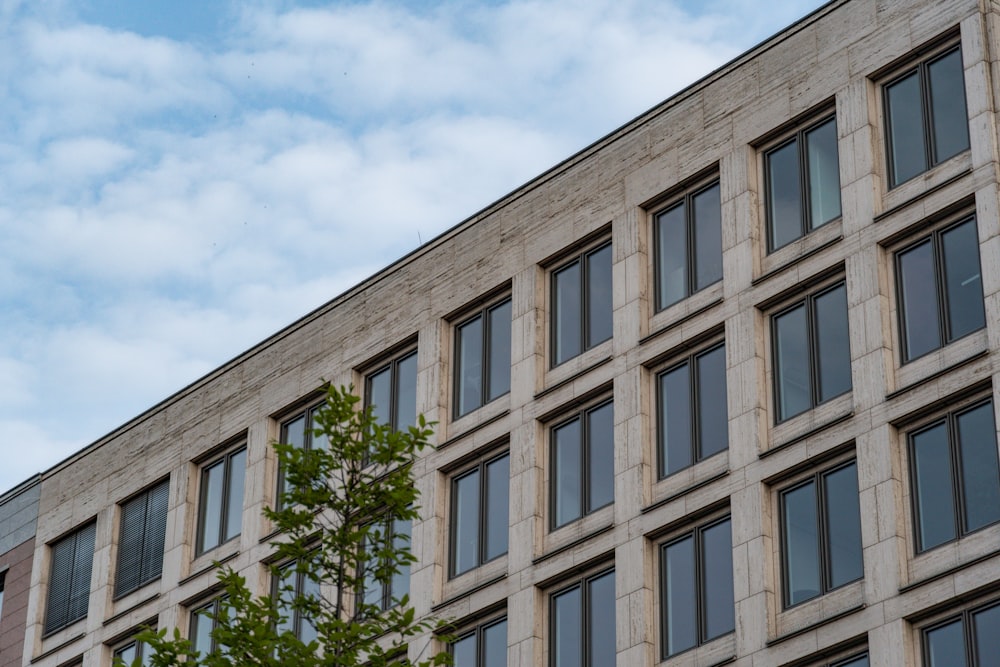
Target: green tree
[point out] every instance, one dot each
(335, 518)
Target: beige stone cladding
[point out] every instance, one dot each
(838, 63)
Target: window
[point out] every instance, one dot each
(956, 477)
(127, 654)
(479, 507)
(688, 237)
(939, 288)
(203, 624)
(583, 463)
(581, 304)
(803, 183)
(696, 571)
(821, 534)
(298, 432)
(221, 515)
(391, 390)
(484, 646)
(926, 120)
(693, 419)
(386, 594)
(582, 623)
(69, 578)
(811, 352)
(289, 585)
(855, 661)
(482, 358)
(3, 579)
(141, 539)
(971, 638)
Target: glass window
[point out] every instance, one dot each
(803, 183)
(386, 592)
(926, 119)
(221, 516)
(391, 392)
(583, 461)
(940, 289)
(484, 646)
(955, 475)
(811, 352)
(581, 304)
(688, 245)
(3, 580)
(141, 536)
(204, 620)
(697, 602)
(969, 639)
(69, 578)
(582, 623)
(287, 588)
(482, 358)
(821, 534)
(127, 655)
(298, 431)
(693, 419)
(479, 509)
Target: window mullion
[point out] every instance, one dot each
(824, 538)
(481, 528)
(957, 487)
(393, 394)
(937, 244)
(930, 150)
(691, 258)
(584, 463)
(805, 202)
(813, 344)
(584, 302)
(699, 582)
(224, 505)
(484, 357)
(694, 380)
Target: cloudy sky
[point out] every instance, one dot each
(180, 178)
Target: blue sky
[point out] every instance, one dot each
(179, 179)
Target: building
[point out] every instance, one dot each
(18, 516)
(724, 380)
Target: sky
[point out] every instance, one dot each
(179, 179)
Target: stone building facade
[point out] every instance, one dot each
(718, 388)
(18, 517)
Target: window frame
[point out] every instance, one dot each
(3, 583)
(478, 631)
(964, 615)
(684, 197)
(484, 312)
(584, 449)
(308, 414)
(815, 476)
(387, 594)
(225, 460)
(689, 359)
(797, 134)
(934, 236)
(482, 527)
(580, 582)
(392, 363)
(296, 619)
(919, 64)
(579, 257)
(950, 419)
(86, 531)
(808, 299)
(147, 496)
(212, 607)
(140, 649)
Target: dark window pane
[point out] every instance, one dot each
(380, 395)
(949, 121)
(707, 237)
(980, 472)
(717, 574)
(497, 503)
(470, 355)
(317, 440)
(406, 398)
(401, 532)
(599, 296)
(567, 621)
(675, 419)
(680, 579)
(801, 533)
(713, 417)
(567, 473)
(212, 481)
(824, 173)
(494, 645)
(671, 248)
(962, 283)
(463, 651)
(465, 505)
(567, 309)
(843, 524)
(986, 627)
(906, 129)
(792, 363)
(601, 629)
(499, 351)
(295, 432)
(860, 661)
(285, 593)
(310, 589)
(601, 456)
(918, 291)
(833, 344)
(783, 196)
(946, 646)
(201, 628)
(933, 486)
(234, 501)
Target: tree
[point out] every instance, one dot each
(343, 496)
